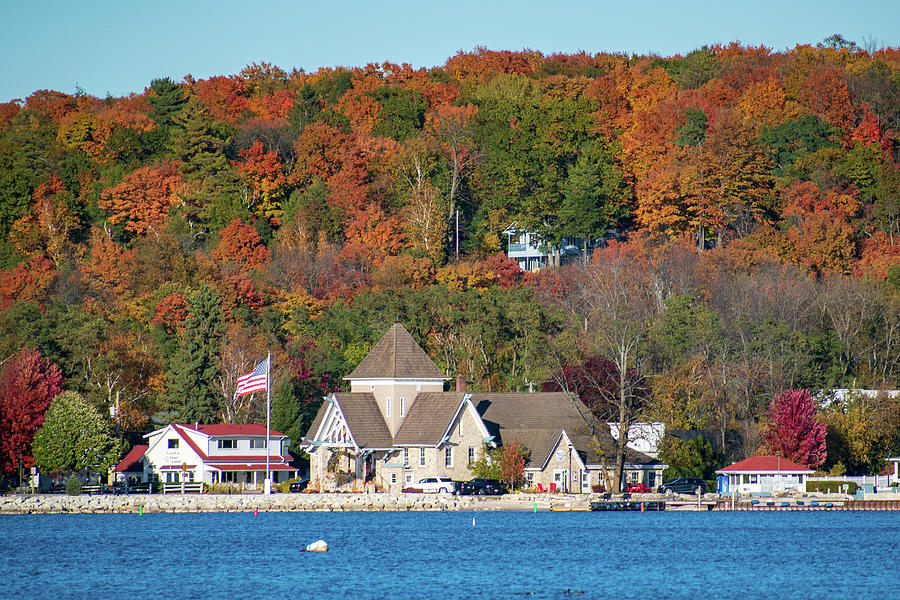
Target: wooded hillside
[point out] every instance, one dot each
(154, 247)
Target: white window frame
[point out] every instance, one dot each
(406, 457)
(448, 456)
(421, 457)
(256, 444)
(402, 406)
(387, 407)
(393, 478)
(471, 456)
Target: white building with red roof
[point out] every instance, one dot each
(210, 454)
(762, 474)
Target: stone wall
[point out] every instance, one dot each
(149, 503)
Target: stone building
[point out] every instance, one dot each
(397, 425)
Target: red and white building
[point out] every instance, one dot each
(209, 453)
(762, 474)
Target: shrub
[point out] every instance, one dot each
(830, 487)
(73, 486)
(285, 486)
(221, 488)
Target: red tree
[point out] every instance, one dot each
(794, 433)
(240, 244)
(27, 385)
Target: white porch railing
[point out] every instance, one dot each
(183, 487)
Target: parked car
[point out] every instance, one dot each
(298, 486)
(432, 485)
(481, 487)
(683, 485)
(638, 488)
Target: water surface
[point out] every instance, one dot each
(415, 555)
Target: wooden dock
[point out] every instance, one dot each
(778, 504)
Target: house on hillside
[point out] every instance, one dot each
(397, 425)
(208, 453)
(533, 254)
(762, 474)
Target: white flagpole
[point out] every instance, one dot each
(268, 421)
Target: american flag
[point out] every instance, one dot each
(255, 381)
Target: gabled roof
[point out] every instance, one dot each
(549, 410)
(132, 461)
(396, 356)
(366, 424)
(222, 429)
(540, 443)
(765, 464)
(428, 418)
(180, 430)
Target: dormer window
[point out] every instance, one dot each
(227, 444)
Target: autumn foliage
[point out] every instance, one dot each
(794, 432)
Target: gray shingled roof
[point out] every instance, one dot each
(428, 418)
(396, 356)
(537, 421)
(364, 420)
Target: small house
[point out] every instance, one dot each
(762, 475)
(216, 453)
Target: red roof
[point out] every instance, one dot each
(765, 464)
(132, 461)
(221, 429)
(253, 467)
(206, 458)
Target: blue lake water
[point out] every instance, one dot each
(441, 555)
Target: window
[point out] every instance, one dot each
(753, 478)
(173, 443)
(172, 476)
(421, 457)
(406, 457)
(402, 406)
(409, 478)
(387, 407)
(448, 457)
(227, 444)
(257, 443)
(529, 479)
(471, 454)
(799, 478)
(745, 478)
(393, 478)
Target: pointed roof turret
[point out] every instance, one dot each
(396, 356)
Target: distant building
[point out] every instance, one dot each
(533, 254)
(643, 437)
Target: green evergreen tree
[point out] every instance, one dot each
(199, 143)
(195, 368)
(285, 412)
(166, 98)
(74, 436)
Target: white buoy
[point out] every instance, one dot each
(473, 521)
(317, 546)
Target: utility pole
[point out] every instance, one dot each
(457, 235)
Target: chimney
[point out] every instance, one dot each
(460, 382)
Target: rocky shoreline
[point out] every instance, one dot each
(190, 503)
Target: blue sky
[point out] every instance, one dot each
(119, 46)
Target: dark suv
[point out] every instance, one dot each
(481, 487)
(683, 485)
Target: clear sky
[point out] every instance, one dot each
(119, 46)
